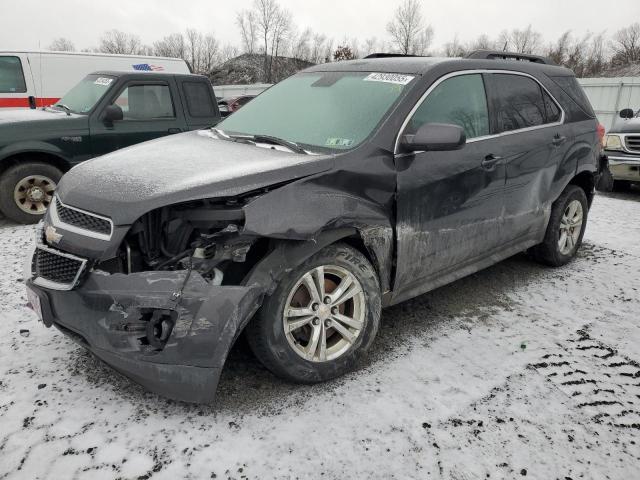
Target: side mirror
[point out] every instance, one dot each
(112, 114)
(435, 137)
(626, 113)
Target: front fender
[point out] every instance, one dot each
(31, 146)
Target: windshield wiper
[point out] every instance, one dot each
(293, 146)
(64, 107)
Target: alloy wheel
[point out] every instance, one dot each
(570, 227)
(324, 313)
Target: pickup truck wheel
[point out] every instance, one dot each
(26, 190)
(565, 229)
(321, 319)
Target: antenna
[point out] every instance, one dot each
(41, 81)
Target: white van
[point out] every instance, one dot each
(38, 79)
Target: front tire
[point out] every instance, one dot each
(26, 190)
(565, 229)
(321, 319)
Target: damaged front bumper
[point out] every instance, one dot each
(168, 335)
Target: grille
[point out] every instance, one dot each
(79, 219)
(633, 143)
(55, 267)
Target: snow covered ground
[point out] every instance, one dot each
(516, 371)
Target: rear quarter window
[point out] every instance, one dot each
(572, 88)
(11, 75)
(199, 100)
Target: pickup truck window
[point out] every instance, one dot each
(83, 97)
(199, 101)
(11, 75)
(146, 102)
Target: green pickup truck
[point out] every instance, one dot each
(106, 111)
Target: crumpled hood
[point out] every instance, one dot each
(128, 183)
(631, 125)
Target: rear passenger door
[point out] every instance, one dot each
(149, 111)
(530, 124)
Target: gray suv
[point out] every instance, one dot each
(344, 189)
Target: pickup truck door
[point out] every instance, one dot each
(151, 109)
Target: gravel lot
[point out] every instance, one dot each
(515, 371)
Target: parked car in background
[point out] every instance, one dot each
(38, 79)
(229, 105)
(622, 149)
(386, 178)
(104, 112)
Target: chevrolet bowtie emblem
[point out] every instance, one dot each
(51, 235)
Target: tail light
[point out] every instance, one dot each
(601, 136)
(233, 106)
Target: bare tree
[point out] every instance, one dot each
(343, 52)
(62, 44)
(170, 46)
(317, 48)
(454, 48)
(246, 21)
(279, 36)
(626, 44)
(408, 30)
(116, 41)
(267, 12)
(300, 44)
(370, 46)
(228, 52)
(526, 41)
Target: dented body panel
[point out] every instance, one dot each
(422, 218)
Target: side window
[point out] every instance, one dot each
(199, 101)
(11, 75)
(146, 102)
(519, 102)
(553, 112)
(460, 100)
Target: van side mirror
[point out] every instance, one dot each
(435, 137)
(112, 114)
(626, 113)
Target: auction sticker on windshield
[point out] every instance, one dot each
(389, 78)
(104, 81)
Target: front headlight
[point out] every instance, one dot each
(613, 143)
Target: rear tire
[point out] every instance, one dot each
(282, 333)
(565, 229)
(26, 190)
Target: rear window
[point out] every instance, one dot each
(11, 75)
(199, 101)
(519, 102)
(573, 89)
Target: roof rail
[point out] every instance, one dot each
(389, 55)
(499, 55)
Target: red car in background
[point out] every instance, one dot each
(229, 105)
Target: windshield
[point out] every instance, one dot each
(329, 110)
(83, 97)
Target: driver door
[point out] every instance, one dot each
(449, 203)
(149, 112)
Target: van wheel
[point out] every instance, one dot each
(565, 229)
(26, 190)
(321, 319)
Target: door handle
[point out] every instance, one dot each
(490, 161)
(174, 130)
(558, 140)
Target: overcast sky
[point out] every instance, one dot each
(30, 23)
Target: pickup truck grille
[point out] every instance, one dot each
(57, 270)
(633, 143)
(83, 220)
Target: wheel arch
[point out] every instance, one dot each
(586, 180)
(14, 158)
